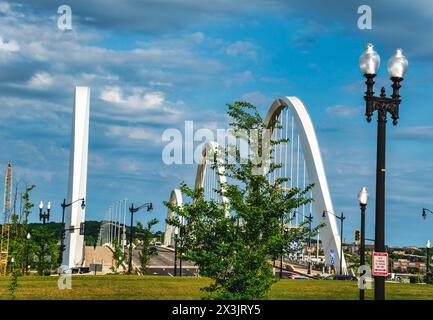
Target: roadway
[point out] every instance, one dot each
(163, 263)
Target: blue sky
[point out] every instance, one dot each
(151, 65)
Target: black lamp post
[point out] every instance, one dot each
(363, 199)
(27, 253)
(44, 216)
(181, 251)
(424, 212)
(341, 217)
(133, 210)
(176, 239)
(64, 205)
(310, 220)
(369, 63)
(281, 257)
(428, 245)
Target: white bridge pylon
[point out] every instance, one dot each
(301, 162)
(296, 125)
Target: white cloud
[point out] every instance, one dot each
(238, 78)
(257, 98)
(137, 100)
(8, 46)
(242, 48)
(414, 133)
(41, 80)
(343, 111)
(134, 133)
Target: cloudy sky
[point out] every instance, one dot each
(151, 65)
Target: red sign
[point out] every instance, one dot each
(311, 249)
(380, 264)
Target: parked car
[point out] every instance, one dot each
(296, 276)
(341, 277)
(158, 243)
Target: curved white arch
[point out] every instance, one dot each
(209, 149)
(316, 172)
(175, 198)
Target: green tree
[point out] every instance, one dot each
(45, 250)
(147, 251)
(236, 250)
(119, 257)
(18, 243)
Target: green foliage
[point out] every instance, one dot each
(119, 257)
(235, 250)
(429, 278)
(44, 247)
(13, 285)
(147, 251)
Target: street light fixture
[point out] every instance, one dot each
(424, 212)
(28, 236)
(363, 199)
(369, 63)
(341, 217)
(64, 205)
(44, 216)
(176, 238)
(133, 210)
(310, 220)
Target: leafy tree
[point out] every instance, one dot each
(18, 243)
(119, 257)
(45, 250)
(236, 250)
(147, 251)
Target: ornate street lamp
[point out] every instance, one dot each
(44, 216)
(369, 63)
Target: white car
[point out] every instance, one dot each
(158, 243)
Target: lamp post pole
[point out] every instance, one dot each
(175, 253)
(64, 205)
(341, 217)
(27, 254)
(180, 256)
(363, 199)
(397, 65)
(427, 264)
(133, 210)
(310, 220)
(281, 257)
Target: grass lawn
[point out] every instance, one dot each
(159, 287)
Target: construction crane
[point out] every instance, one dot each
(7, 206)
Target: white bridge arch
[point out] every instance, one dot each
(176, 199)
(313, 165)
(211, 178)
(208, 179)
